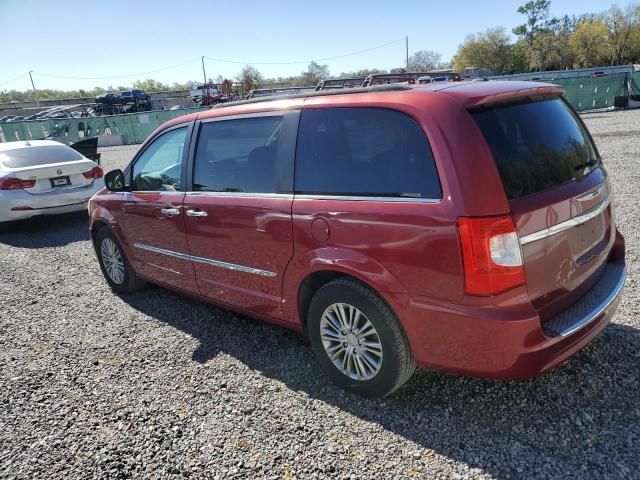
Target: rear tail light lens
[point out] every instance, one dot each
(95, 172)
(491, 254)
(15, 183)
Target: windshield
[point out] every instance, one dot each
(536, 145)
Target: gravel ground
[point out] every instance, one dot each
(154, 385)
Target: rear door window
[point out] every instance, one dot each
(238, 155)
(537, 145)
(364, 152)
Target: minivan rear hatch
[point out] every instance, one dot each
(558, 192)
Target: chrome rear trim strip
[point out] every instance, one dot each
(566, 225)
(591, 195)
(207, 261)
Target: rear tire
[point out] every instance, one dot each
(115, 265)
(358, 340)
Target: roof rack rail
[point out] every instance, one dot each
(335, 83)
(323, 93)
(265, 92)
(407, 77)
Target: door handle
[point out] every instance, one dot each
(196, 213)
(170, 212)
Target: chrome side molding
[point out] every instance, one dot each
(207, 261)
(567, 224)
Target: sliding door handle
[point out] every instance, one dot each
(170, 212)
(196, 213)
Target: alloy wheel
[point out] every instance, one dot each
(351, 341)
(112, 260)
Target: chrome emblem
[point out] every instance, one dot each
(59, 171)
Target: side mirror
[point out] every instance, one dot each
(114, 181)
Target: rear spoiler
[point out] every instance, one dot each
(514, 95)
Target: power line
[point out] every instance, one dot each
(14, 79)
(222, 60)
(117, 76)
(219, 60)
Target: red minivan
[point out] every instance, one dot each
(462, 227)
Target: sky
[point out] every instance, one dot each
(117, 42)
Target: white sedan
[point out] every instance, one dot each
(43, 177)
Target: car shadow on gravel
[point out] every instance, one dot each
(581, 419)
(47, 231)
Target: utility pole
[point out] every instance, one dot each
(406, 45)
(34, 88)
(204, 73)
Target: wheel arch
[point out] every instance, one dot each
(102, 217)
(314, 281)
(309, 271)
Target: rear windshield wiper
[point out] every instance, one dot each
(590, 163)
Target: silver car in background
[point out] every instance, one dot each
(43, 177)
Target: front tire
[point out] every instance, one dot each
(114, 263)
(358, 340)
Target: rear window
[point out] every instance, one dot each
(38, 155)
(364, 152)
(536, 146)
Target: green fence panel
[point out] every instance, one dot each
(13, 131)
(589, 93)
(143, 124)
(92, 127)
(36, 129)
(120, 125)
(634, 85)
(134, 127)
(76, 129)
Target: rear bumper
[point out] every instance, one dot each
(63, 201)
(508, 341)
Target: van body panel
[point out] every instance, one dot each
(408, 251)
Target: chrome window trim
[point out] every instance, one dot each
(159, 192)
(365, 198)
(315, 197)
(567, 224)
(241, 194)
(207, 261)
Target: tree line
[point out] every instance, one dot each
(541, 42)
(544, 43)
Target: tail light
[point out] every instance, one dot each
(95, 172)
(491, 254)
(15, 183)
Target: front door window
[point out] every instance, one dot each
(159, 166)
